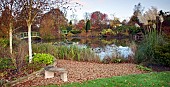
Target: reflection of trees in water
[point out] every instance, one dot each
(101, 42)
(92, 42)
(108, 41)
(122, 42)
(96, 42)
(75, 40)
(118, 42)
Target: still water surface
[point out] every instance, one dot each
(102, 47)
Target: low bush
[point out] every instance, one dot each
(75, 31)
(134, 30)
(4, 50)
(6, 63)
(4, 42)
(108, 32)
(143, 68)
(162, 54)
(39, 61)
(42, 58)
(118, 60)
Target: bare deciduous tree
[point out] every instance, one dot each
(32, 8)
(87, 16)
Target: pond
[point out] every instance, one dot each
(101, 46)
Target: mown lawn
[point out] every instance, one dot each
(153, 79)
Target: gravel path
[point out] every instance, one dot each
(82, 71)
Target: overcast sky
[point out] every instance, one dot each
(122, 9)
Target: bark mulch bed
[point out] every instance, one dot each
(82, 71)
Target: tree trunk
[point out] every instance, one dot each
(29, 42)
(10, 38)
(10, 44)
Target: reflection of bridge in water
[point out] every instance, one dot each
(24, 35)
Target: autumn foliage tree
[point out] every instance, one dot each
(115, 23)
(4, 28)
(51, 23)
(165, 23)
(98, 19)
(80, 25)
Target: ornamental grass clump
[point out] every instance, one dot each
(70, 52)
(145, 51)
(74, 52)
(45, 48)
(88, 55)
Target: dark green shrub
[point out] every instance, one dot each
(162, 54)
(134, 30)
(6, 63)
(69, 28)
(42, 58)
(87, 26)
(75, 31)
(75, 40)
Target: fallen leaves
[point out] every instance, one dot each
(83, 71)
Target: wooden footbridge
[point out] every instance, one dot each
(24, 35)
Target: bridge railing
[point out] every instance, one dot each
(23, 35)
